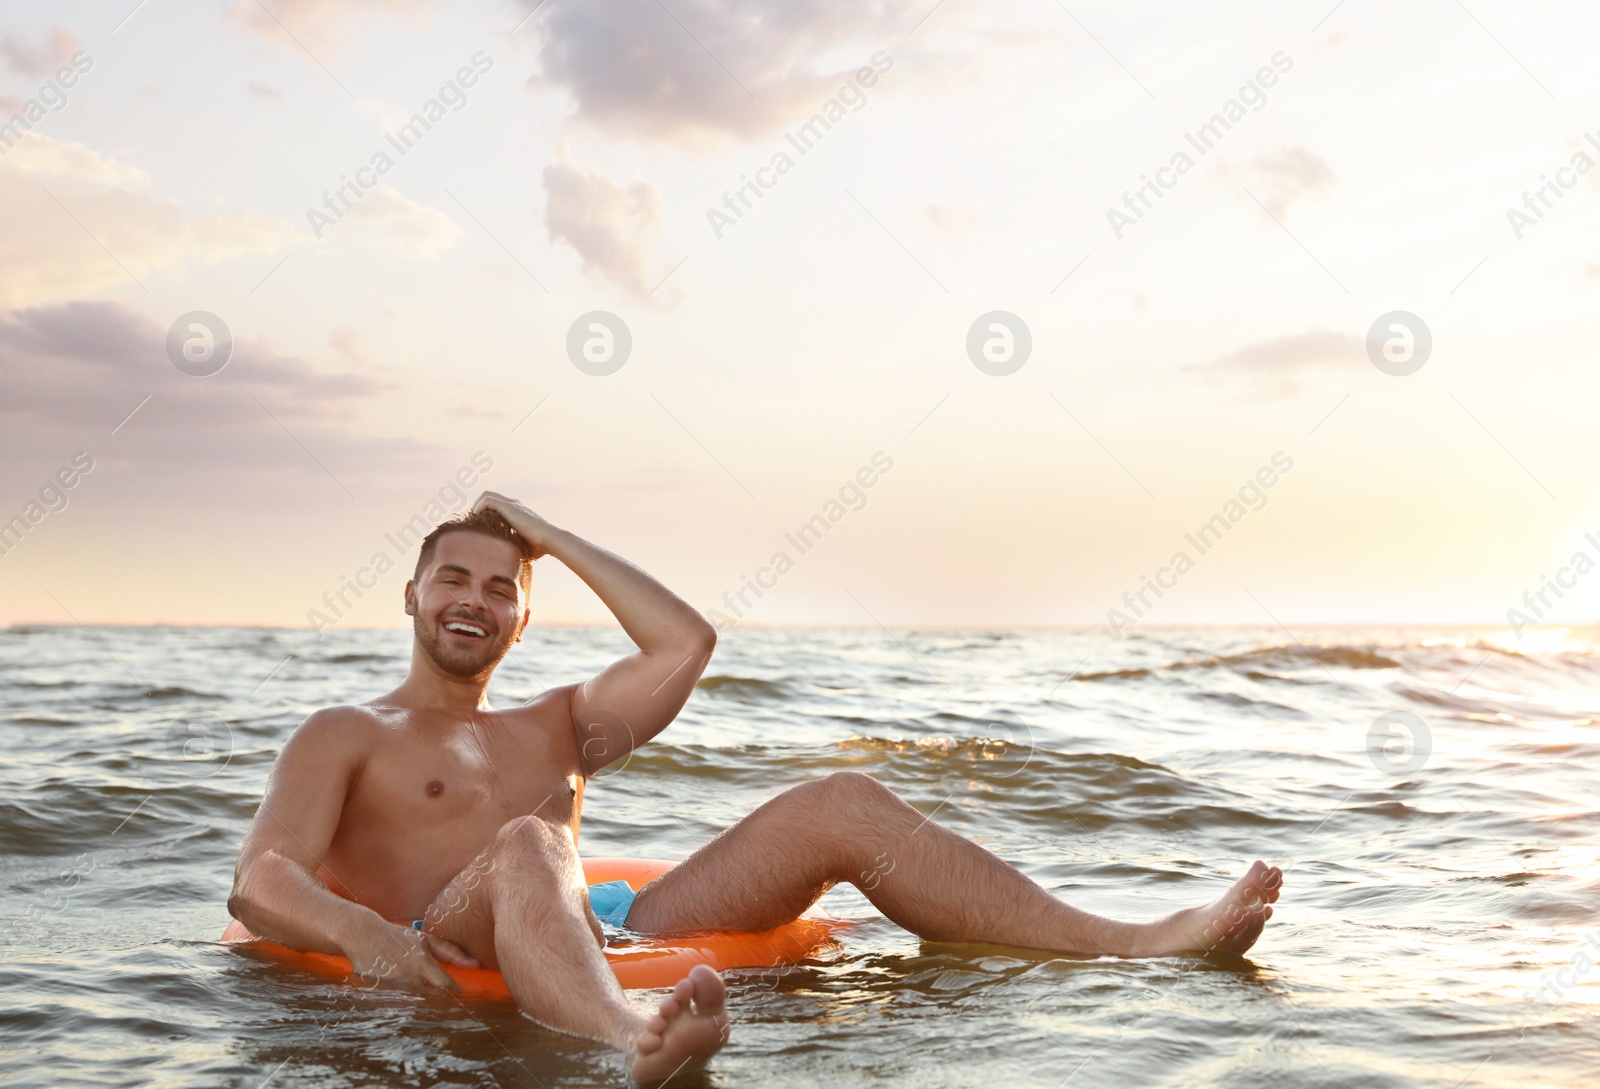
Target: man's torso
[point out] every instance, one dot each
(433, 789)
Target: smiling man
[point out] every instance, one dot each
(426, 826)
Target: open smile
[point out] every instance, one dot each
(466, 629)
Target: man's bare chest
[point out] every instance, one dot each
(472, 773)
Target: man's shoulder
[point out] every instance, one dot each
(553, 705)
(344, 714)
(340, 726)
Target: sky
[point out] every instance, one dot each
(1067, 284)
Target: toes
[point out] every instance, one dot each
(1261, 882)
(670, 1008)
(648, 1043)
(710, 992)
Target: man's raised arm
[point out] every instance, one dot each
(633, 699)
(276, 891)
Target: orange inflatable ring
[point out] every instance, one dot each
(645, 963)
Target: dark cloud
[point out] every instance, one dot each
(70, 373)
(739, 68)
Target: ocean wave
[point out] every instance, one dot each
(972, 784)
(179, 692)
(1279, 656)
(111, 813)
(35, 718)
(748, 687)
(1277, 662)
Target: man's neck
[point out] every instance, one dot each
(429, 687)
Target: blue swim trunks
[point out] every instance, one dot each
(610, 900)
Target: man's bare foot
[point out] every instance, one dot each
(1230, 924)
(691, 1026)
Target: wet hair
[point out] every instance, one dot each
(490, 524)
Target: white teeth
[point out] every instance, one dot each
(465, 629)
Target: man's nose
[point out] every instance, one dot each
(472, 599)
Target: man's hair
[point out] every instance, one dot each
(490, 524)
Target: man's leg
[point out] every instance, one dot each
(776, 862)
(522, 907)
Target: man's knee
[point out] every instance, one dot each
(842, 795)
(855, 788)
(839, 820)
(534, 840)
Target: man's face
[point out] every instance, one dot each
(467, 609)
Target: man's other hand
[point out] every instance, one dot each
(529, 526)
(401, 956)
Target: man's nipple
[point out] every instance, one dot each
(435, 788)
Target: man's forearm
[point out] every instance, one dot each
(276, 898)
(655, 618)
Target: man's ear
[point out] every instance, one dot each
(411, 597)
(522, 626)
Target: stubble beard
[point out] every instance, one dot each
(466, 666)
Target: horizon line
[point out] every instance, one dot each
(822, 626)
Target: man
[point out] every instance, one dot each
(428, 805)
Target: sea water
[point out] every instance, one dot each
(1439, 926)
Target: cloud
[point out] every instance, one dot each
(1281, 177)
(1278, 365)
(349, 343)
(612, 228)
(399, 224)
(40, 155)
(1335, 41)
(27, 59)
(708, 68)
(953, 221)
(321, 25)
(78, 222)
(69, 373)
